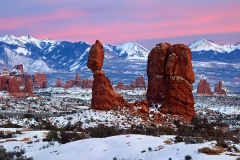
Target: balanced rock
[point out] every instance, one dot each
(203, 88)
(103, 95)
(170, 78)
(96, 56)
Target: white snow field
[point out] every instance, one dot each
(123, 147)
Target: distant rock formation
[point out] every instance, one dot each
(103, 95)
(87, 83)
(138, 83)
(78, 81)
(73, 82)
(203, 88)
(68, 84)
(58, 83)
(219, 90)
(29, 87)
(40, 80)
(170, 78)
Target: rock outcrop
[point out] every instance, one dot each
(87, 83)
(11, 82)
(68, 84)
(78, 81)
(219, 90)
(40, 80)
(103, 95)
(203, 88)
(170, 78)
(29, 87)
(138, 83)
(58, 83)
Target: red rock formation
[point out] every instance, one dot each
(78, 80)
(170, 78)
(10, 84)
(87, 83)
(28, 87)
(58, 83)
(40, 80)
(68, 84)
(120, 85)
(219, 90)
(138, 83)
(103, 96)
(96, 56)
(203, 88)
(19, 67)
(142, 106)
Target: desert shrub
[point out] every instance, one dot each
(188, 157)
(53, 135)
(13, 154)
(10, 125)
(102, 131)
(178, 139)
(66, 137)
(222, 143)
(28, 115)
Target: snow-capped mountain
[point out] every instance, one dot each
(51, 56)
(208, 45)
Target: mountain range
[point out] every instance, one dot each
(128, 59)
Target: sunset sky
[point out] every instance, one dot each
(117, 21)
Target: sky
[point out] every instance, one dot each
(147, 22)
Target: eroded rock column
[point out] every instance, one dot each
(170, 78)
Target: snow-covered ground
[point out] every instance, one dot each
(120, 147)
(127, 147)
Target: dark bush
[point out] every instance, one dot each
(188, 157)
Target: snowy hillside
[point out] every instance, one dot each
(118, 147)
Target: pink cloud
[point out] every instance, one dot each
(130, 21)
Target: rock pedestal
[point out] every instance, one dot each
(103, 95)
(170, 78)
